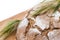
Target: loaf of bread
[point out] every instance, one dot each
(43, 27)
(39, 25)
(42, 22)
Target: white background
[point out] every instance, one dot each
(9, 8)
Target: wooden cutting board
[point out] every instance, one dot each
(19, 16)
